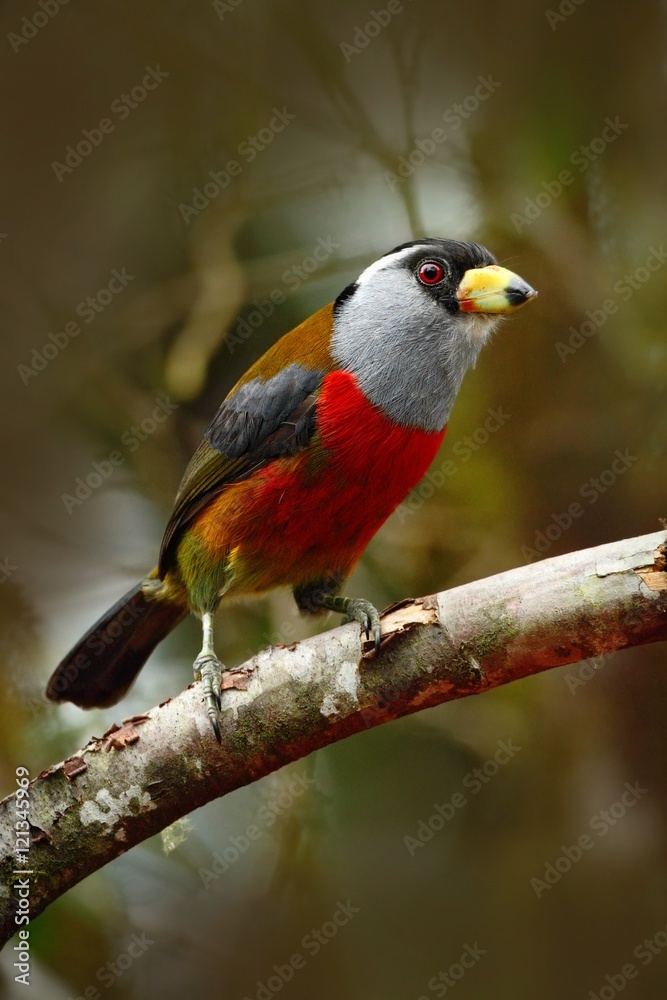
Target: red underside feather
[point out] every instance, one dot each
(301, 517)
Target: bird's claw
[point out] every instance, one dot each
(208, 668)
(368, 616)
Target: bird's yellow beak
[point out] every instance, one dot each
(492, 289)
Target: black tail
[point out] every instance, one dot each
(101, 667)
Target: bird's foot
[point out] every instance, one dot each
(208, 668)
(356, 609)
(313, 598)
(359, 610)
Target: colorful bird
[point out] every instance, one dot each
(307, 456)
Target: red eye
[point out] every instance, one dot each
(430, 273)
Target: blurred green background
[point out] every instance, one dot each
(523, 160)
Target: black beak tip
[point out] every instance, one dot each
(518, 294)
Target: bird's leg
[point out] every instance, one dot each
(314, 598)
(207, 668)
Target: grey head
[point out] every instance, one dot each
(414, 322)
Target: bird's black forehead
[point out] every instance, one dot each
(460, 256)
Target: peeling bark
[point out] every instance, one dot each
(289, 700)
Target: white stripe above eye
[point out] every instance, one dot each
(390, 260)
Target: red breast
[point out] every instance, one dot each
(316, 512)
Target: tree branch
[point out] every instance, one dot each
(289, 700)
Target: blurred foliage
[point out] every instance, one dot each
(365, 99)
